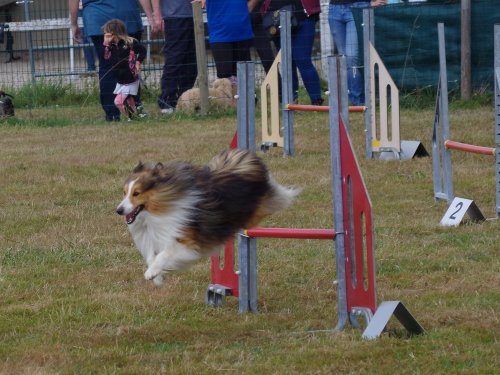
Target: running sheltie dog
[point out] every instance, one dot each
(178, 212)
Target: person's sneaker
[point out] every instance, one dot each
(140, 112)
(168, 110)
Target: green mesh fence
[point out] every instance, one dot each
(406, 40)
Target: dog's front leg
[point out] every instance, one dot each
(168, 261)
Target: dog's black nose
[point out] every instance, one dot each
(119, 210)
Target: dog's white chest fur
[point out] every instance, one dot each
(156, 237)
(153, 234)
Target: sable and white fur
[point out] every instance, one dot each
(178, 212)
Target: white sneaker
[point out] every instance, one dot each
(167, 111)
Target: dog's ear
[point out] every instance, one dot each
(139, 167)
(156, 170)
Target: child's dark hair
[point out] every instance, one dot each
(117, 28)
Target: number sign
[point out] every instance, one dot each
(457, 210)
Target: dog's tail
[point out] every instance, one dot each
(280, 197)
(249, 190)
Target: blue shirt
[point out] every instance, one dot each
(97, 12)
(228, 21)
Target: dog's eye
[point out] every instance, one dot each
(136, 193)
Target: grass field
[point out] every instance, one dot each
(73, 299)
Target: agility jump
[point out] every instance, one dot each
(382, 141)
(442, 144)
(353, 233)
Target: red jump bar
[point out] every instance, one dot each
(311, 234)
(452, 145)
(321, 108)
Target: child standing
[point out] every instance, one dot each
(126, 55)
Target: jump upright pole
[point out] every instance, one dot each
(286, 82)
(338, 204)
(441, 157)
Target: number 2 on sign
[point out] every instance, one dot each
(458, 207)
(456, 211)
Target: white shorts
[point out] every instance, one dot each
(128, 89)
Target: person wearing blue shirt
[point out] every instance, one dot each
(230, 35)
(179, 69)
(95, 14)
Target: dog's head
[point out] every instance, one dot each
(154, 188)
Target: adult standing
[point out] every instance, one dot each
(230, 35)
(88, 51)
(95, 14)
(345, 36)
(262, 43)
(179, 69)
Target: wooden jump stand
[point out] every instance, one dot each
(383, 141)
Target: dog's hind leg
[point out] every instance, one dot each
(171, 260)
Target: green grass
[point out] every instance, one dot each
(74, 301)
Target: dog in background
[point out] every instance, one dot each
(7, 104)
(220, 97)
(178, 213)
